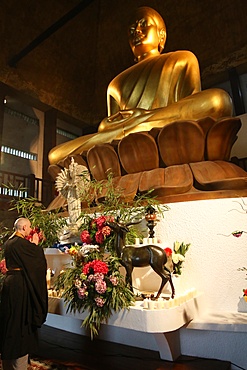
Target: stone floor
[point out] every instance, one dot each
(63, 346)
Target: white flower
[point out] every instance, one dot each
(88, 248)
(176, 257)
(176, 246)
(78, 283)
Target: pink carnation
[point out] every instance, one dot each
(98, 276)
(100, 286)
(82, 293)
(99, 301)
(91, 277)
(113, 280)
(95, 277)
(106, 230)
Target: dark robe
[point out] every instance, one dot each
(24, 300)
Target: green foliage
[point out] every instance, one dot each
(113, 204)
(4, 233)
(108, 199)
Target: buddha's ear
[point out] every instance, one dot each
(162, 36)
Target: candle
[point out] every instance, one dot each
(171, 303)
(166, 304)
(145, 303)
(48, 278)
(160, 303)
(145, 240)
(151, 304)
(137, 241)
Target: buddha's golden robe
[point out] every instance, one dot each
(155, 82)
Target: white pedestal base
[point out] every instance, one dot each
(163, 324)
(168, 345)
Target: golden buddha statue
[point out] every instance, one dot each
(157, 90)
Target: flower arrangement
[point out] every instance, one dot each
(245, 294)
(244, 290)
(177, 256)
(93, 284)
(96, 231)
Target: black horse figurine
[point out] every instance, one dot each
(148, 255)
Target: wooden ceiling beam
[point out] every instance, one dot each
(48, 32)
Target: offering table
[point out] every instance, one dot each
(163, 324)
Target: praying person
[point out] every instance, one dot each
(24, 300)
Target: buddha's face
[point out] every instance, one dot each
(144, 36)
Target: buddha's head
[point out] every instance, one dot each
(147, 33)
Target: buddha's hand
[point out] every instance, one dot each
(121, 118)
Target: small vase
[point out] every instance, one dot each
(242, 304)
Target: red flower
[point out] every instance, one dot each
(96, 266)
(85, 237)
(168, 252)
(99, 237)
(97, 231)
(100, 221)
(245, 291)
(3, 268)
(237, 234)
(36, 230)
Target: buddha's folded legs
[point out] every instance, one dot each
(215, 103)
